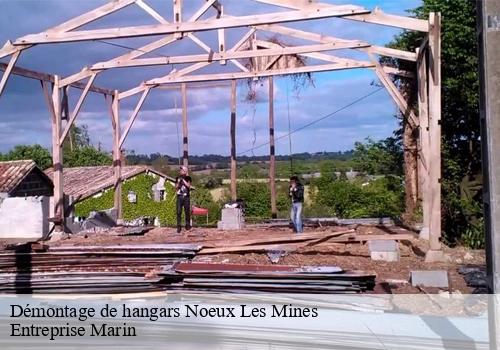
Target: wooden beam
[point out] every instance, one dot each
(50, 78)
(272, 152)
(72, 24)
(133, 116)
(185, 146)
(77, 108)
(234, 195)
(188, 69)
(141, 50)
(201, 11)
(91, 16)
(117, 162)
(216, 56)
(8, 71)
(158, 29)
(9, 49)
(221, 37)
(178, 16)
(423, 164)
(435, 252)
(395, 93)
(376, 16)
(57, 156)
(340, 43)
(245, 75)
(180, 73)
(151, 11)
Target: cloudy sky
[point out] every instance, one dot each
(24, 117)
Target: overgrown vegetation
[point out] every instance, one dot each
(358, 198)
(145, 205)
(461, 160)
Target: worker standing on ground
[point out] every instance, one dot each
(182, 190)
(297, 196)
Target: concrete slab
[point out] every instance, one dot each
(385, 256)
(383, 246)
(24, 217)
(436, 278)
(436, 256)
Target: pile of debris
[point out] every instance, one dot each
(292, 242)
(35, 268)
(234, 278)
(475, 276)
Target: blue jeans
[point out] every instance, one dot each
(296, 216)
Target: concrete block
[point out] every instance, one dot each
(232, 219)
(437, 278)
(385, 256)
(24, 217)
(383, 246)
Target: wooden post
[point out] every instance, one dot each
(272, 160)
(435, 253)
(185, 156)
(424, 156)
(178, 16)
(117, 162)
(57, 157)
(233, 140)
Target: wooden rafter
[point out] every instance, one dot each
(73, 23)
(355, 44)
(77, 108)
(133, 117)
(257, 74)
(290, 50)
(188, 69)
(205, 25)
(8, 71)
(27, 73)
(376, 16)
(85, 73)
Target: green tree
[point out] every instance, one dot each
(78, 151)
(384, 157)
(86, 156)
(460, 103)
(39, 154)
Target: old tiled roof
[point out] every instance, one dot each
(83, 182)
(13, 172)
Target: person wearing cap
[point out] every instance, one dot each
(182, 190)
(296, 193)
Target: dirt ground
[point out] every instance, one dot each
(392, 277)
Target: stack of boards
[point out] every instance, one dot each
(266, 278)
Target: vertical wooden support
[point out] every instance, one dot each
(435, 253)
(57, 157)
(117, 162)
(272, 160)
(8, 70)
(424, 156)
(178, 16)
(221, 36)
(233, 140)
(185, 155)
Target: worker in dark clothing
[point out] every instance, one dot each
(296, 192)
(182, 190)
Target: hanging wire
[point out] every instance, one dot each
(316, 120)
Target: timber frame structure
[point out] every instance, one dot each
(427, 58)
